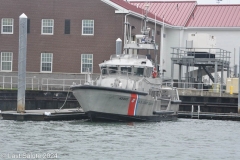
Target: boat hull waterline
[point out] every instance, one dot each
(114, 104)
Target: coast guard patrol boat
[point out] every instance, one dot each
(129, 87)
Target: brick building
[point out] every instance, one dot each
(65, 37)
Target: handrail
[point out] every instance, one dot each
(220, 54)
(11, 82)
(32, 83)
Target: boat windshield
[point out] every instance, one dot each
(138, 71)
(104, 70)
(125, 70)
(113, 70)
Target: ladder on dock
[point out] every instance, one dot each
(195, 114)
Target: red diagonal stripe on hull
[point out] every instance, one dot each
(132, 104)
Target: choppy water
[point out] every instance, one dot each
(77, 140)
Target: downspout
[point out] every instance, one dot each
(181, 32)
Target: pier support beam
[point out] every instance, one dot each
(187, 76)
(179, 76)
(199, 77)
(222, 79)
(172, 70)
(228, 72)
(215, 76)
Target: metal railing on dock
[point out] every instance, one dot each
(33, 83)
(11, 82)
(59, 84)
(199, 88)
(54, 84)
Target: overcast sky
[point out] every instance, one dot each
(202, 1)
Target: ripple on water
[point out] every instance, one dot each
(183, 139)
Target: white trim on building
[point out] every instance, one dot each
(7, 25)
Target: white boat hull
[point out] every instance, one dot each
(105, 103)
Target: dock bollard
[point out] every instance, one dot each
(231, 89)
(198, 110)
(192, 111)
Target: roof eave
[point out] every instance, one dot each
(118, 8)
(122, 10)
(212, 28)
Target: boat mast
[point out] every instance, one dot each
(143, 40)
(161, 52)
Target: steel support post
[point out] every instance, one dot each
(179, 76)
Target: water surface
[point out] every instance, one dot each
(76, 140)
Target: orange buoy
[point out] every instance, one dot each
(154, 73)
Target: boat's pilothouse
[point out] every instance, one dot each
(127, 72)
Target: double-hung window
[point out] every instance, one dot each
(47, 26)
(87, 27)
(7, 26)
(87, 63)
(6, 61)
(46, 62)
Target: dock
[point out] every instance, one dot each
(45, 115)
(78, 114)
(44, 105)
(210, 116)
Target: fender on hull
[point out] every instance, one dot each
(108, 117)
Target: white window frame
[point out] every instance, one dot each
(47, 25)
(6, 61)
(84, 23)
(82, 63)
(11, 25)
(42, 54)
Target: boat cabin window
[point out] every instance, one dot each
(104, 70)
(125, 70)
(112, 70)
(138, 71)
(148, 72)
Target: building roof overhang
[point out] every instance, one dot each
(137, 12)
(129, 8)
(213, 28)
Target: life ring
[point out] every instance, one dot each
(154, 72)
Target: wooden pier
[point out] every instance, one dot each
(45, 115)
